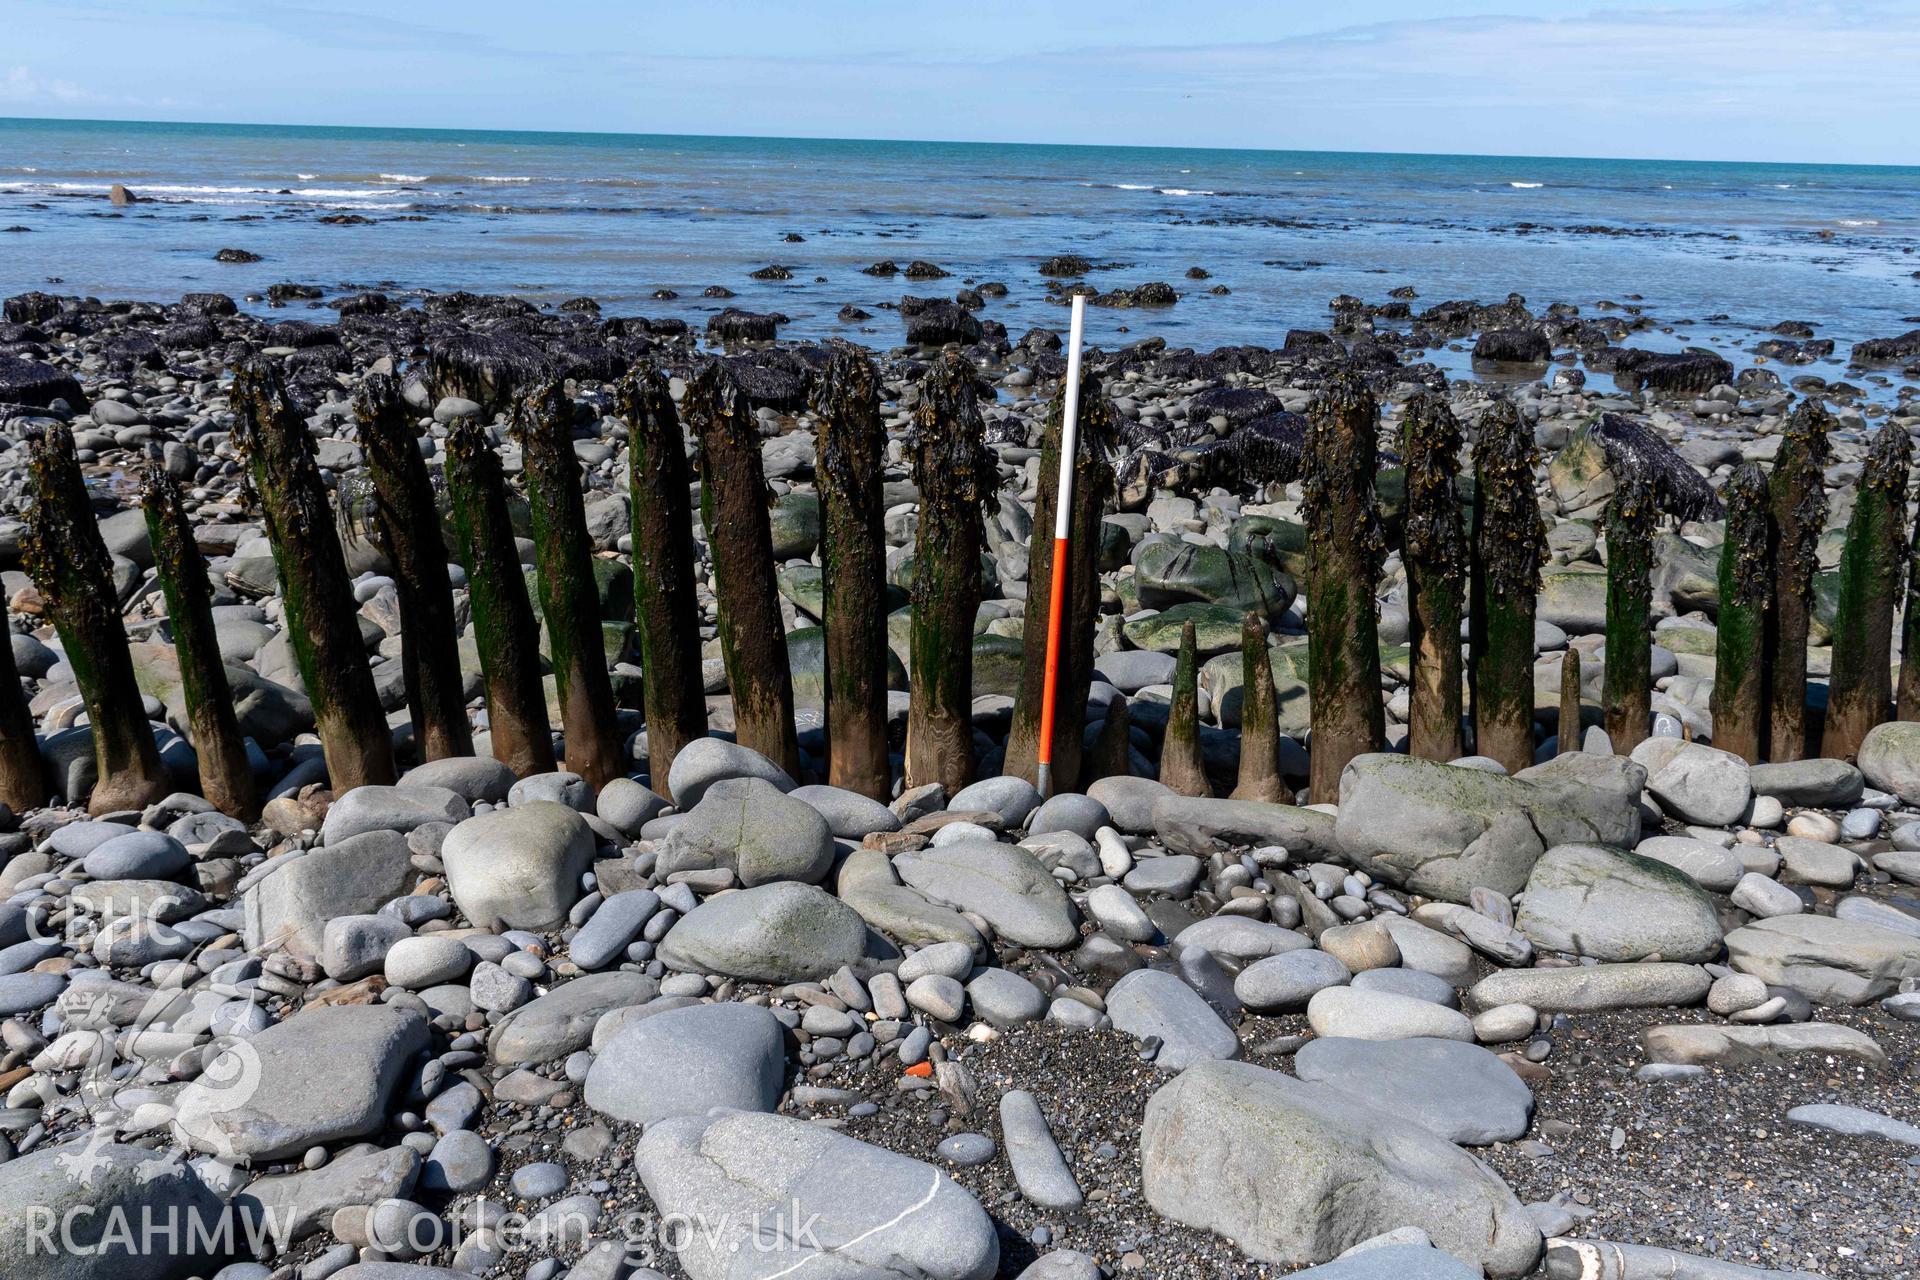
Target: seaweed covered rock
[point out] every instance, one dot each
(487, 368)
(1513, 346)
(735, 325)
(939, 323)
(30, 382)
(1675, 373)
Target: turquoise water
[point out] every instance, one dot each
(1717, 251)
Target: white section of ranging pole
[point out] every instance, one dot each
(1070, 423)
(1062, 526)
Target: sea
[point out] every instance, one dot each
(1715, 252)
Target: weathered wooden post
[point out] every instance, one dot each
(1872, 572)
(1111, 755)
(1510, 544)
(666, 604)
(23, 775)
(518, 730)
(226, 775)
(69, 563)
(1343, 563)
(1182, 767)
(1092, 490)
(955, 474)
(733, 504)
(1259, 720)
(853, 557)
(1435, 556)
(1740, 683)
(316, 591)
(407, 527)
(1568, 734)
(568, 599)
(1628, 693)
(1797, 503)
(1907, 693)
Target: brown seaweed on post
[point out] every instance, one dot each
(316, 590)
(568, 599)
(665, 601)
(1509, 540)
(955, 474)
(226, 775)
(1435, 556)
(407, 530)
(733, 505)
(69, 563)
(1343, 563)
(853, 549)
(1080, 612)
(1797, 505)
(518, 730)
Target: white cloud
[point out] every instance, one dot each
(20, 86)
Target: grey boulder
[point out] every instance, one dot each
(518, 868)
(1295, 1173)
(1005, 885)
(784, 932)
(685, 1062)
(754, 829)
(1459, 1091)
(1588, 900)
(870, 1213)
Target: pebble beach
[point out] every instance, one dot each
(1609, 1016)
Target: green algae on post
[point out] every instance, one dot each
(568, 599)
(1435, 556)
(1343, 563)
(1746, 596)
(853, 558)
(226, 775)
(1628, 674)
(1797, 511)
(1873, 570)
(1509, 541)
(518, 730)
(316, 590)
(1093, 483)
(406, 527)
(1182, 768)
(69, 563)
(733, 505)
(666, 604)
(955, 475)
(1259, 720)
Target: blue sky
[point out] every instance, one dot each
(1692, 79)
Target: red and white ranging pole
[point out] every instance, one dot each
(1062, 524)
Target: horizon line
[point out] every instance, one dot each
(943, 142)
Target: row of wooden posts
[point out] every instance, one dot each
(1477, 561)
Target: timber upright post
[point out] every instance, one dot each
(1182, 767)
(666, 604)
(226, 775)
(518, 730)
(1567, 735)
(23, 775)
(853, 547)
(1907, 694)
(316, 591)
(733, 503)
(568, 599)
(1259, 719)
(1873, 570)
(1797, 501)
(1112, 753)
(1056, 664)
(68, 561)
(407, 525)
(955, 474)
(1435, 556)
(1628, 673)
(1740, 684)
(1510, 544)
(1343, 563)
